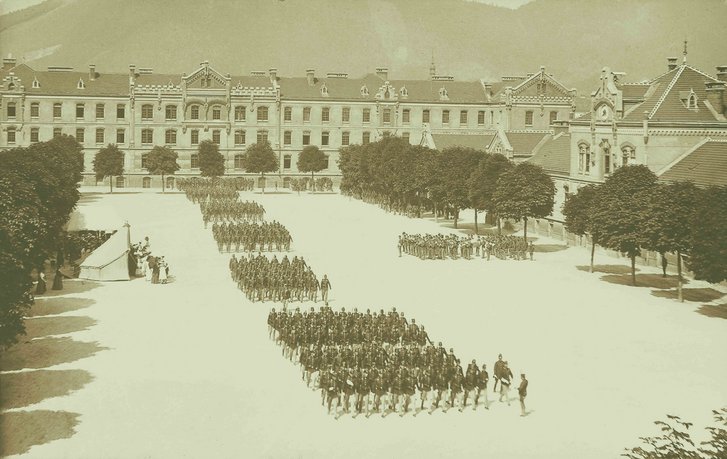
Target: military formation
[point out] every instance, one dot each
(251, 237)
(441, 246)
(380, 363)
(200, 189)
(267, 279)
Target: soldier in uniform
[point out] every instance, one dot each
(482, 380)
(505, 381)
(497, 371)
(325, 286)
(523, 392)
(470, 381)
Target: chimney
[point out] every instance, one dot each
(716, 95)
(132, 70)
(560, 127)
(273, 75)
(311, 75)
(9, 62)
(383, 73)
(671, 63)
(92, 72)
(722, 72)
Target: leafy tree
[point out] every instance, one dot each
(483, 183)
(108, 162)
(523, 192)
(312, 160)
(211, 161)
(676, 442)
(708, 258)
(621, 211)
(260, 158)
(578, 210)
(668, 225)
(162, 161)
(455, 165)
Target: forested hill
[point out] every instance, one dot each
(574, 39)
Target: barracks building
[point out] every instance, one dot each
(141, 109)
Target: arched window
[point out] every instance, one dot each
(324, 90)
(81, 84)
(36, 83)
(364, 91)
(584, 158)
(628, 155)
(692, 101)
(194, 112)
(146, 182)
(404, 92)
(239, 161)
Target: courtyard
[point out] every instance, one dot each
(187, 369)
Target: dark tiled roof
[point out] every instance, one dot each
(634, 91)
(350, 89)
(706, 165)
(554, 154)
(664, 101)
(478, 142)
(66, 83)
(523, 142)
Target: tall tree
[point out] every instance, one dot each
(578, 211)
(483, 183)
(312, 160)
(621, 211)
(260, 158)
(211, 161)
(455, 166)
(162, 161)
(668, 224)
(708, 257)
(523, 192)
(109, 162)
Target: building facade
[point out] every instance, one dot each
(141, 109)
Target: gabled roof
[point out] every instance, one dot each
(704, 165)
(524, 143)
(554, 154)
(664, 98)
(478, 142)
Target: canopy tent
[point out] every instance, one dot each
(110, 261)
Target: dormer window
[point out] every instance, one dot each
(364, 91)
(443, 93)
(692, 101)
(36, 83)
(11, 86)
(324, 90)
(81, 84)
(404, 92)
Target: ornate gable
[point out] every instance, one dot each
(541, 84)
(206, 77)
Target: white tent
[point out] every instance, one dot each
(110, 261)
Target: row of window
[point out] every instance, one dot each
(58, 110)
(237, 161)
(611, 161)
(170, 112)
(170, 136)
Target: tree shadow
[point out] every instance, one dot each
(70, 286)
(47, 307)
(26, 388)
(46, 352)
(714, 310)
(691, 294)
(45, 326)
(608, 269)
(645, 280)
(20, 430)
(548, 248)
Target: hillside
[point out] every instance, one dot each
(574, 39)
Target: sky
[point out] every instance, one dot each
(6, 6)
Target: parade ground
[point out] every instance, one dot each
(131, 369)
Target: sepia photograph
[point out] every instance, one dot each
(396, 229)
